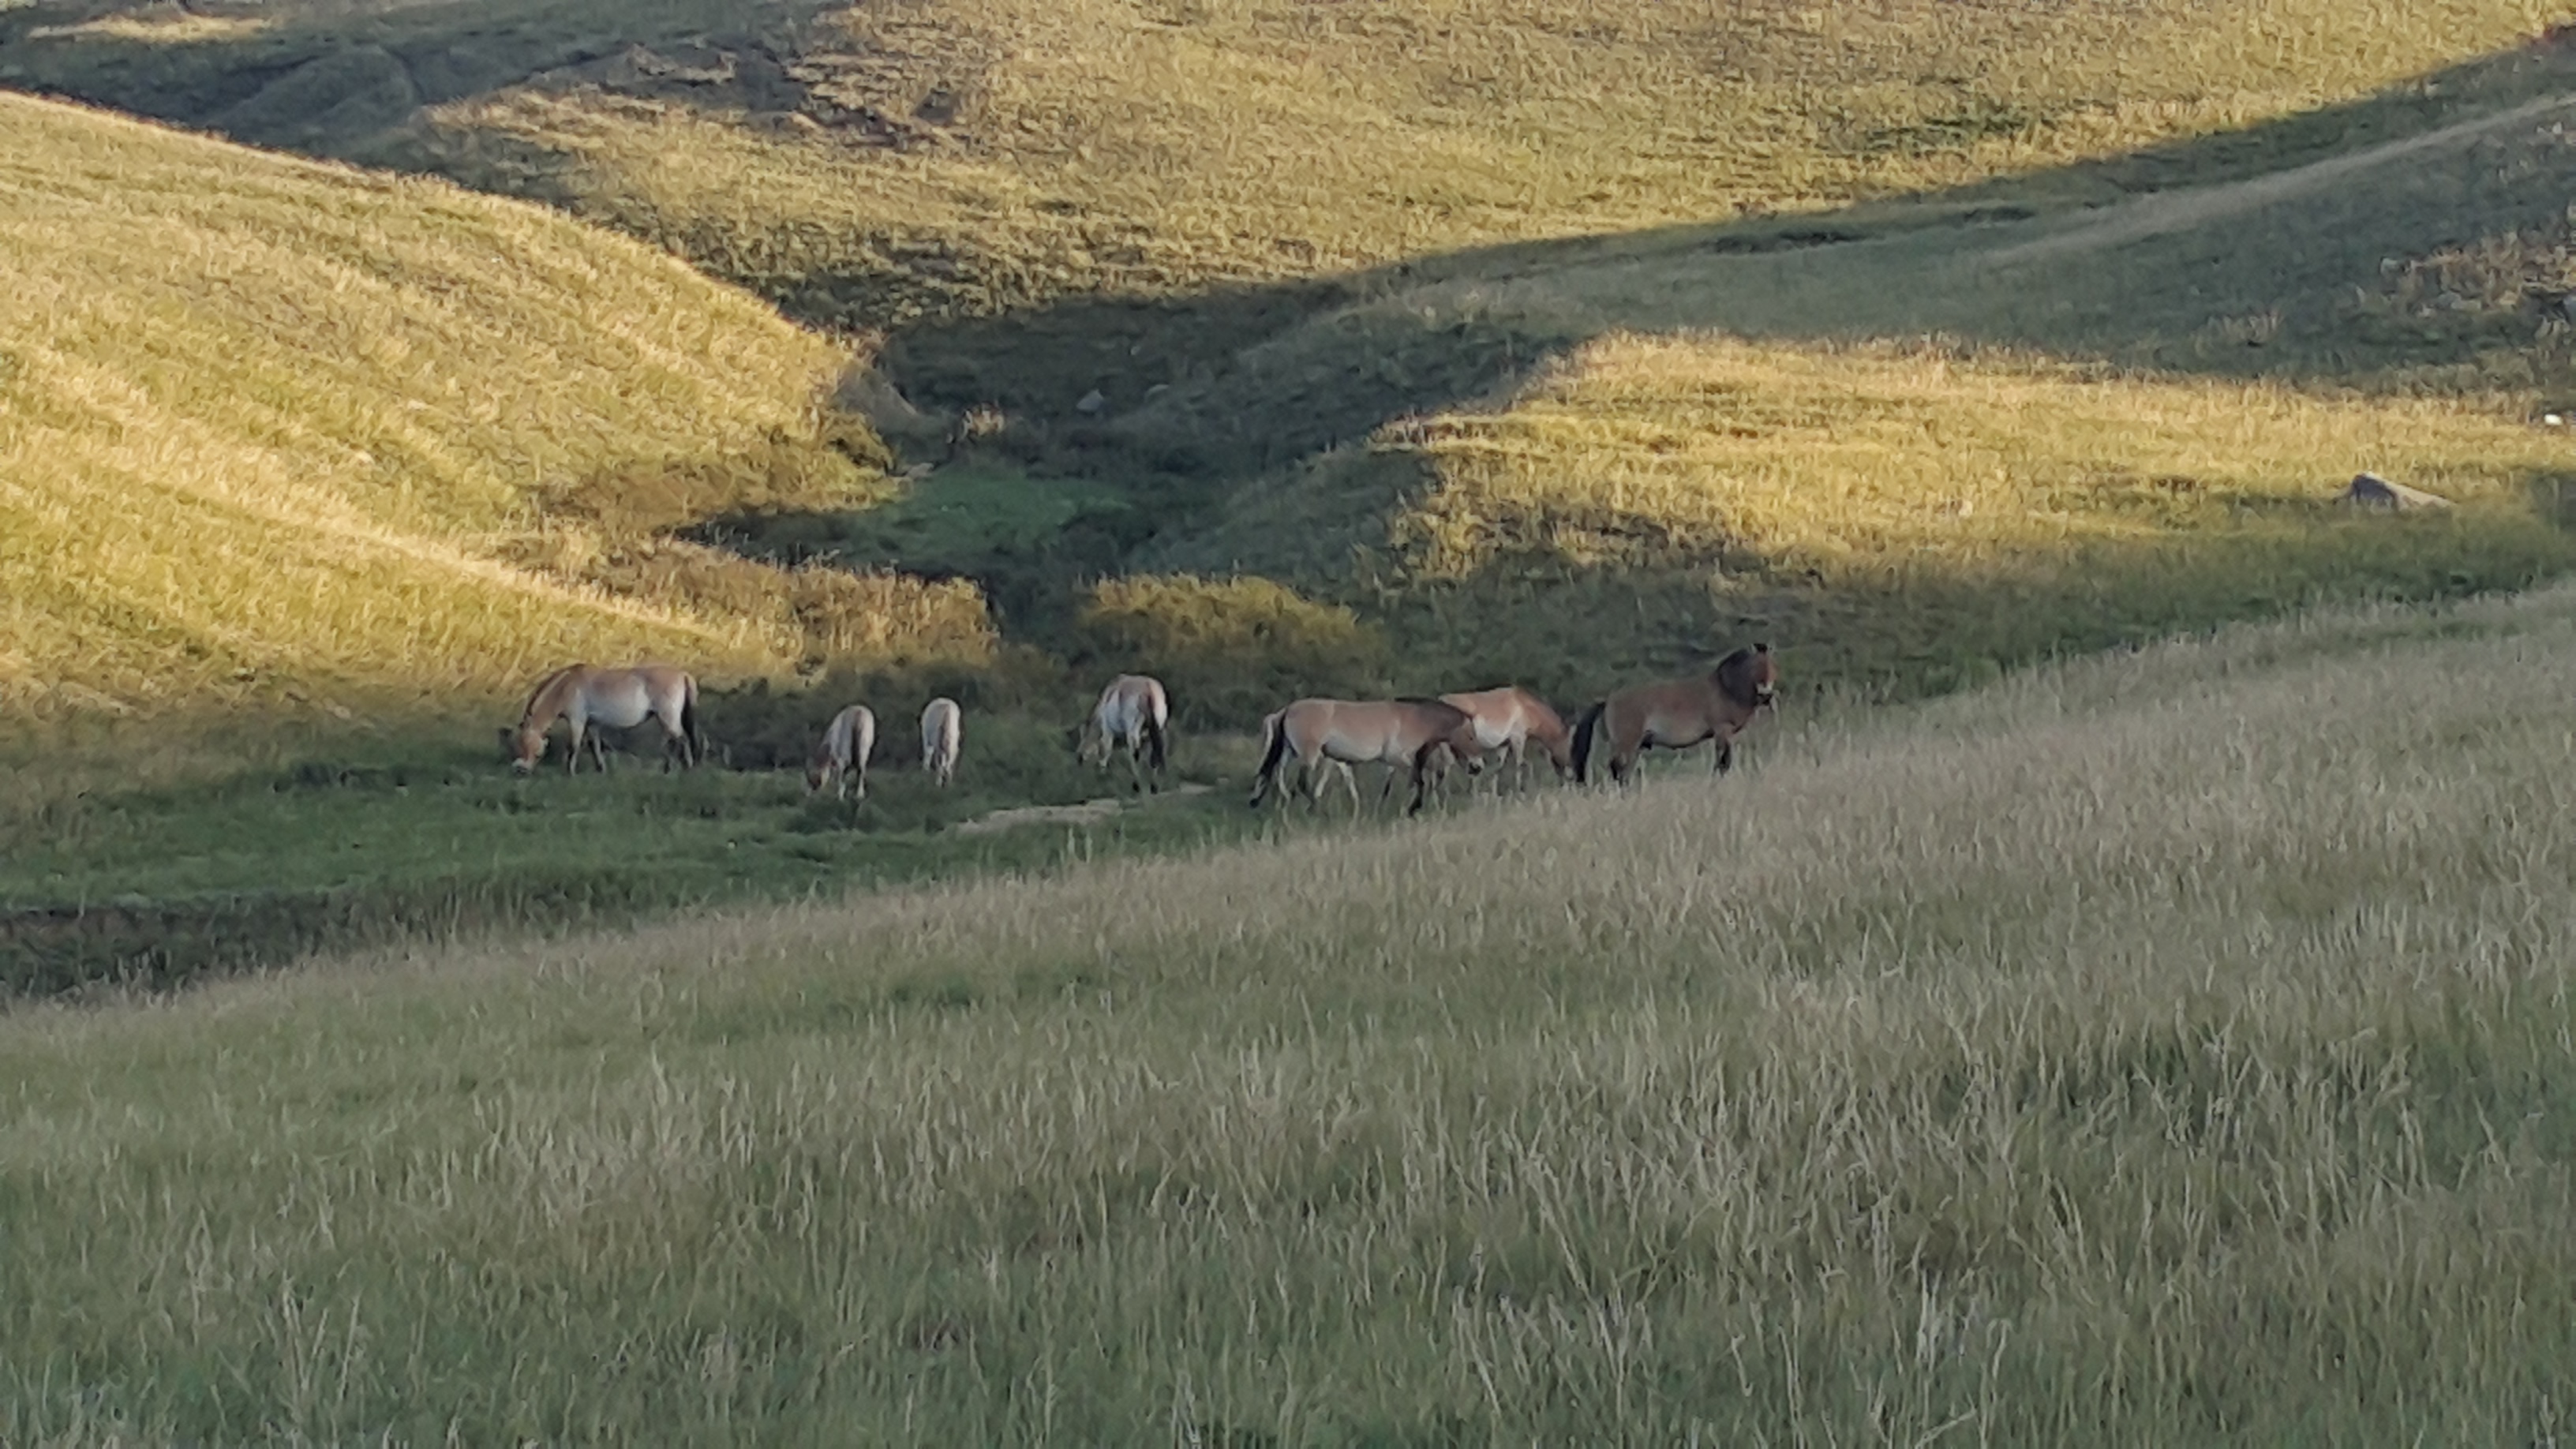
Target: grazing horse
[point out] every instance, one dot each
(941, 725)
(583, 696)
(843, 753)
(1134, 714)
(1675, 714)
(1507, 719)
(1420, 735)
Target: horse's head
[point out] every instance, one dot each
(1750, 678)
(1078, 740)
(1461, 742)
(1560, 752)
(525, 746)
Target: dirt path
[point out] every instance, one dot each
(2175, 211)
(1089, 812)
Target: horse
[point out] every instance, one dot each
(1134, 714)
(941, 725)
(843, 752)
(1507, 719)
(1420, 735)
(1675, 714)
(583, 696)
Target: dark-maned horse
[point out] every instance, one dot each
(1675, 714)
(1417, 735)
(583, 697)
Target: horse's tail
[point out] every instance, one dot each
(1583, 742)
(1274, 746)
(692, 728)
(1157, 743)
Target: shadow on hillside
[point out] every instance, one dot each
(2286, 260)
(332, 79)
(2251, 274)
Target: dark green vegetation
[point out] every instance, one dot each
(416, 838)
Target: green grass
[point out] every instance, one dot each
(408, 836)
(2169, 1049)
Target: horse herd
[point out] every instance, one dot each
(1418, 737)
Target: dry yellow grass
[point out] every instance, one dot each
(1876, 461)
(2170, 1049)
(272, 429)
(1054, 149)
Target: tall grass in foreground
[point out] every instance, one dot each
(2165, 1049)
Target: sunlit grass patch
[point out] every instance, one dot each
(282, 432)
(1888, 459)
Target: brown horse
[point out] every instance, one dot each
(1418, 735)
(1675, 714)
(1508, 719)
(582, 696)
(842, 753)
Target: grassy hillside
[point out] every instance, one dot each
(1262, 235)
(273, 432)
(1930, 438)
(2215, 1091)
(1433, 347)
(881, 166)
(1009, 152)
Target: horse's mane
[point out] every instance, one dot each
(543, 687)
(1734, 673)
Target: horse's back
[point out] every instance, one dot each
(1129, 704)
(1360, 731)
(941, 724)
(851, 732)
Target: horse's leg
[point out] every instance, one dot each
(572, 762)
(1725, 760)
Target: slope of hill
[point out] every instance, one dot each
(1166, 206)
(1936, 437)
(272, 430)
(2166, 1049)
(875, 164)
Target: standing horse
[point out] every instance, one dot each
(1134, 714)
(941, 726)
(1675, 714)
(583, 696)
(1419, 735)
(843, 752)
(1507, 719)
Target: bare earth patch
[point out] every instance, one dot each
(1089, 812)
